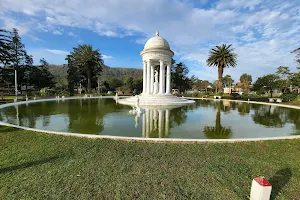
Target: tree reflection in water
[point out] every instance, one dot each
(28, 114)
(84, 115)
(218, 131)
(294, 117)
(268, 117)
(88, 116)
(244, 108)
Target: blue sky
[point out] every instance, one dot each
(263, 32)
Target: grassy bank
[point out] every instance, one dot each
(42, 166)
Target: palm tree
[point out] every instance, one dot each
(73, 74)
(5, 40)
(89, 61)
(218, 131)
(221, 57)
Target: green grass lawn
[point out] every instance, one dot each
(42, 166)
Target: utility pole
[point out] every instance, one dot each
(16, 85)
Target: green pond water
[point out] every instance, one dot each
(204, 119)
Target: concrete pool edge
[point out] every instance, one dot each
(151, 140)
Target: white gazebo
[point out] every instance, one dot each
(157, 55)
(157, 61)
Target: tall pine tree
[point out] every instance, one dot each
(5, 40)
(18, 56)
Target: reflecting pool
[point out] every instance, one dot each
(202, 120)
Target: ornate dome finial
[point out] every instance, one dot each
(157, 33)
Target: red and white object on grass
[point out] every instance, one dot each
(260, 189)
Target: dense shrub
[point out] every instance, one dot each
(261, 92)
(260, 99)
(228, 97)
(195, 94)
(289, 96)
(33, 93)
(246, 97)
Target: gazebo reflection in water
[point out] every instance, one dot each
(155, 122)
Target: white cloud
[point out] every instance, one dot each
(249, 37)
(34, 38)
(42, 27)
(57, 52)
(141, 40)
(51, 55)
(10, 23)
(263, 32)
(126, 19)
(106, 56)
(250, 4)
(72, 34)
(57, 32)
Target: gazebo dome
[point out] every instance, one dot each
(157, 42)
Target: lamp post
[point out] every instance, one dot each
(16, 85)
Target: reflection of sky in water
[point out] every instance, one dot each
(56, 123)
(122, 124)
(103, 116)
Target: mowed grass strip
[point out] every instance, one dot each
(41, 166)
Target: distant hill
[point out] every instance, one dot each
(60, 73)
(121, 73)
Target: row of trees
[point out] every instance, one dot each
(85, 65)
(84, 69)
(14, 57)
(129, 83)
(227, 81)
(283, 79)
(223, 56)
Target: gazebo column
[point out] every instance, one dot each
(152, 80)
(160, 123)
(162, 78)
(144, 125)
(147, 123)
(168, 87)
(145, 77)
(148, 77)
(151, 120)
(155, 118)
(167, 123)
